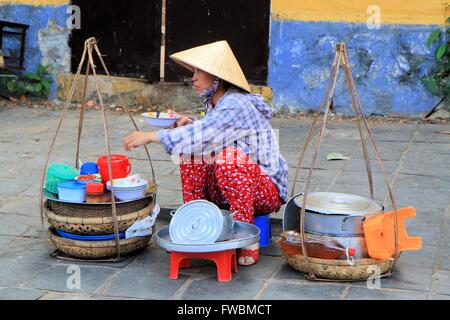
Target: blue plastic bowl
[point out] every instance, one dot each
(89, 168)
(72, 191)
(102, 237)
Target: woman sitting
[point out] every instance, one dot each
(231, 156)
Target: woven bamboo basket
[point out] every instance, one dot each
(96, 210)
(95, 226)
(363, 269)
(97, 249)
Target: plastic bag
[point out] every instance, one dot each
(143, 228)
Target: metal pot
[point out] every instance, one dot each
(332, 214)
(228, 225)
(201, 222)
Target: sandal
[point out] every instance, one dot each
(246, 253)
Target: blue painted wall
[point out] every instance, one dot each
(301, 54)
(37, 17)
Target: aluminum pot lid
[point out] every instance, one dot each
(196, 222)
(338, 203)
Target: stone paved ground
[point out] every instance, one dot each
(416, 157)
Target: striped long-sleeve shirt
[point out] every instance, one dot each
(240, 120)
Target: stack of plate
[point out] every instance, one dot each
(129, 193)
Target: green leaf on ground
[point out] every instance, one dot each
(337, 156)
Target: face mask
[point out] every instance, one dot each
(208, 93)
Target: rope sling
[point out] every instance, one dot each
(341, 59)
(87, 58)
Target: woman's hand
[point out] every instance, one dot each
(182, 122)
(137, 139)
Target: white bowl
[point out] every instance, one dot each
(164, 121)
(142, 185)
(129, 195)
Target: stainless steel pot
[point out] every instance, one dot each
(228, 226)
(332, 214)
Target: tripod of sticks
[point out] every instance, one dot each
(87, 59)
(341, 59)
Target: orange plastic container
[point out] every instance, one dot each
(380, 234)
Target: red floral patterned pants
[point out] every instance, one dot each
(232, 181)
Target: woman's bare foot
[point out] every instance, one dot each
(249, 255)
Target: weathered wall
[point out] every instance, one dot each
(179, 97)
(302, 38)
(47, 36)
(303, 35)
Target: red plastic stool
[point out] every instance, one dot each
(224, 260)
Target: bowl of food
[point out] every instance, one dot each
(160, 119)
(88, 178)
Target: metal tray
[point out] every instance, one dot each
(53, 197)
(245, 234)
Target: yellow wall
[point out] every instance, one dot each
(392, 11)
(35, 2)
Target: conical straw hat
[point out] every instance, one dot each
(215, 58)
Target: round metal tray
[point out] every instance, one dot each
(245, 234)
(329, 224)
(338, 204)
(55, 198)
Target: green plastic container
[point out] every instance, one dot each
(57, 173)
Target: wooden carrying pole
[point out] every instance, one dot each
(340, 59)
(90, 46)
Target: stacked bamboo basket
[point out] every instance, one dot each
(92, 220)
